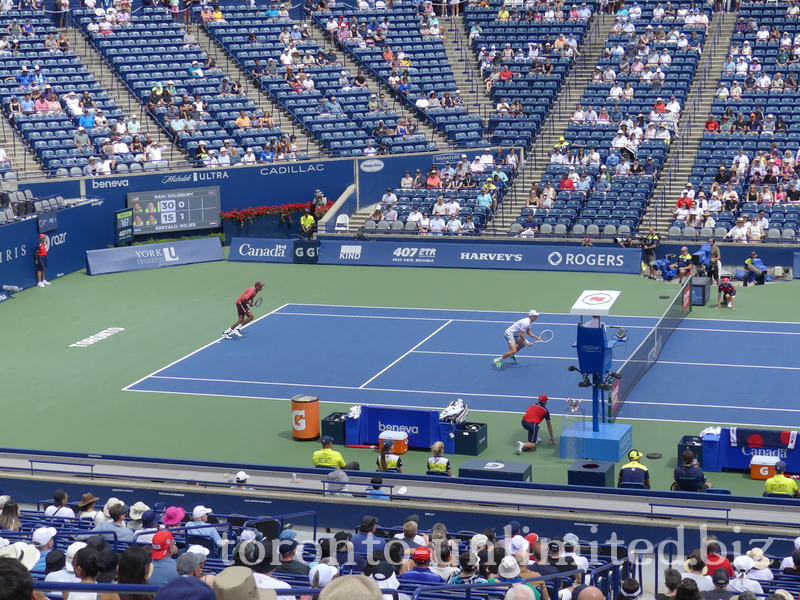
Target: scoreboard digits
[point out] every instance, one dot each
(174, 210)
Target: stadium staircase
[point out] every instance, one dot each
(466, 68)
(538, 156)
(402, 109)
(691, 126)
(120, 93)
(21, 157)
(287, 124)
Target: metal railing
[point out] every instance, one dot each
(681, 144)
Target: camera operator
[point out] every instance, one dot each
(628, 242)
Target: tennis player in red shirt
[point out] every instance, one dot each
(243, 304)
(532, 420)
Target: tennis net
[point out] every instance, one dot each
(646, 354)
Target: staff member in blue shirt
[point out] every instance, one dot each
(689, 477)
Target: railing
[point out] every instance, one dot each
(54, 462)
(690, 120)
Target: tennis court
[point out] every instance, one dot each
(427, 357)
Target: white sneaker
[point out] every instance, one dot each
(40, 284)
(237, 333)
(225, 335)
(518, 449)
(46, 282)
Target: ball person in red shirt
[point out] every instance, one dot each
(243, 304)
(531, 422)
(40, 256)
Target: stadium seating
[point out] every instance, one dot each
(50, 134)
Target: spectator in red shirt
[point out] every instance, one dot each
(567, 183)
(713, 560)
(660, 106)
(506, 74)
(684, 202)
(712, 124)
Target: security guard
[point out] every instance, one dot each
(634, 471)
(307, 224)
(330, 458)
(780, 484)
(649, 251)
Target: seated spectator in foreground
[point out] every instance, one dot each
(760, 570)
(720, 591)
(200, 518)
(780, 484)
(116, 523)
(288, 563)
(672, 578)
(421, 571)
(59, 507)
(742, 565)
(689, 477)
(365, 542)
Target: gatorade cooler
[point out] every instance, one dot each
(305, 417)
(763, 467)
(399, 440)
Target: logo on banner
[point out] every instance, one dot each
(278, 251)
(300, 251)
(347, 252)
(555, 258)
(597, 299)
(170, 254)
(55, 240)
(101, 184)
(414, 255)
(292, 169)
(372, 165)
(411, 429)
(151, 256)
(494, 465)
(592, 260)
(299, 420)
(491, 256)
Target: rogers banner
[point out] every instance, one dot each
(465, 255)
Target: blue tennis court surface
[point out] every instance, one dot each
(716, 371)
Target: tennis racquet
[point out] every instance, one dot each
(544, 337)
(257, 302)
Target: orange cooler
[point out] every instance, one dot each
(305, 417)
(398, 438)
(763, 467)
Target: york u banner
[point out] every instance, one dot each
(465, 255)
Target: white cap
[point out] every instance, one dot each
(71, 552)
(199, 511)
(241, 476)
(43, 535)
(198, 549)
(533, 313)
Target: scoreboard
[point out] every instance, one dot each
(174, 210)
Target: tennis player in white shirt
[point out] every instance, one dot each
(515, 336)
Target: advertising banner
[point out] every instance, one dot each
(153, 256)
(465, 255)
(269, 250)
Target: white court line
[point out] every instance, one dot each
(689, 318)
(503, 322)
(216, 341)
(382, 371)
(334, 387)
(696, 364)
(683, 329)
(727, 407)
(573, 358)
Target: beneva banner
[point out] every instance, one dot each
(533, 257)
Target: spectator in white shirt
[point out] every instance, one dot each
(738, 233)
(437, 224)
(59, 507)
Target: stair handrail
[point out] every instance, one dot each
(689, 118)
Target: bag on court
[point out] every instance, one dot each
(455, 412)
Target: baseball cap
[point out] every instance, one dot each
(72, 550)
(543, 398)
(634, 455)
(422, 554)
(514, 527)
(43, 535)
(41, 235)
(55, 560)
(533, 313)
(721, 578)
(199, 511)
(382, 571)
(188, 562)
(162, 541)
(326, 439)
(287, 547)
(321, 574)
(780, 466)
(241, 476)
(287, 534)
(368, 521)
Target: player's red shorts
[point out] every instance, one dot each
(242, 309)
